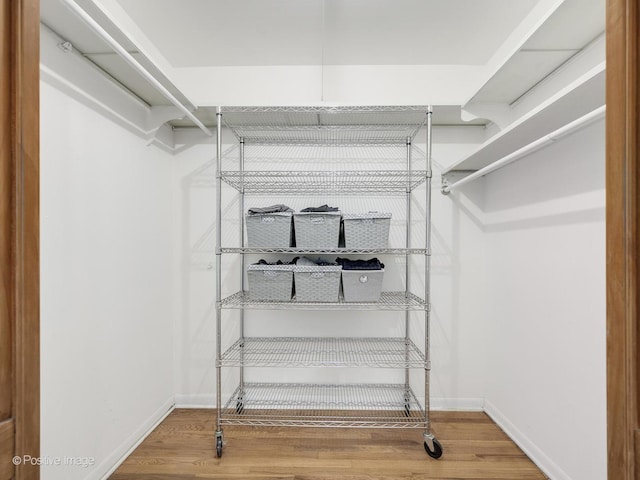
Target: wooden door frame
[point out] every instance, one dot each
(623, 239)
(20, 177)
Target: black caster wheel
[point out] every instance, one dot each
(437, 449)
(240, 403)
(218, 447)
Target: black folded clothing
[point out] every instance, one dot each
(262, 261)
(321, 209)
(272, 209)
(373, 264)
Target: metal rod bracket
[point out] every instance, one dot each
(452, 177)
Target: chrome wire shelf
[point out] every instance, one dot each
(328, 251)
(344, 182)
(325, 151)
(319, 405)
(388, 301)
(324, 352)
(325, 125)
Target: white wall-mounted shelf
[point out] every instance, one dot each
(578, 99)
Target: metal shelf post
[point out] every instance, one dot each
(429, 439)
(219, 438)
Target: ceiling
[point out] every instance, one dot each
(330, 32)
(491, 51)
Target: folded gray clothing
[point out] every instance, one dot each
(307, 262)
(272, 209)
(322, 208)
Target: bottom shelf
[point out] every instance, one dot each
(321, 405)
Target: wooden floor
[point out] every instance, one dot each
(182, 447)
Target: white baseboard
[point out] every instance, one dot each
(457, 404)
(195, 400)
(119, 455)
(537, 456)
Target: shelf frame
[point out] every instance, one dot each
(327, 126)
(389, 301)
(323, 352)
(324, 405)
(306, 182)
(325, 251)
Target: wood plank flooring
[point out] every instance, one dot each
(183, 447)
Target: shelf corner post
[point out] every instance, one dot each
(218, 272)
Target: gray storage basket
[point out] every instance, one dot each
(362, 285)
(317, 229)
(319, 283)
(366, 230)
(269, 230)
(270, 282)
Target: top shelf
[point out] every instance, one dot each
(325, 125)
(576, 100)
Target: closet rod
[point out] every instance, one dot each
(102, 33)
(561, 132)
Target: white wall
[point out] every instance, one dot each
(458, 255)
(106, 285)
(456, 354)
(544, 322)
(194, 325)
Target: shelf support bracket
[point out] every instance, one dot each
(498, 113)
(452, 177)
(157, 117)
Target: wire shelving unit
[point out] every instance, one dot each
(380, 405)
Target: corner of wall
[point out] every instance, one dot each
(110, 464)
(532, 450)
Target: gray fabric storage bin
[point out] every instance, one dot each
(319, 283)
(366, 230)
(267, 230)
(317, 229)
(270, 282)
(362, 285)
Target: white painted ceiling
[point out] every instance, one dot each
(484, 48)
(197, 33)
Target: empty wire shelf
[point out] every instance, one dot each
(321, 405)
(388, 301)
(324, 352)
(306, 182)
(325, 125)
